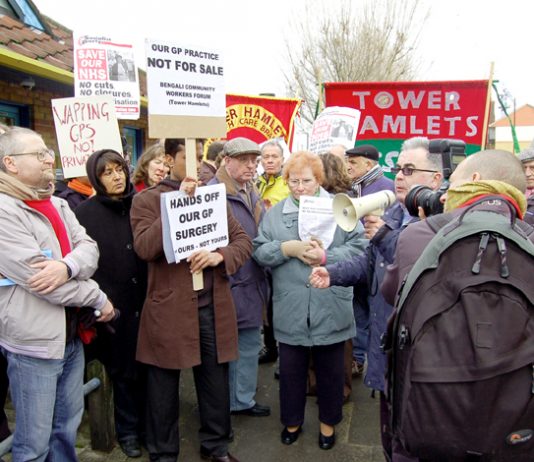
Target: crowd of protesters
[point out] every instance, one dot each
(94, 281)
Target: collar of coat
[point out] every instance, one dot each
(231, 190)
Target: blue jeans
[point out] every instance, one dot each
(48, 399)
(244, 372)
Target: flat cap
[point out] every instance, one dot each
(239, 146)
(364, 150)
(526, 155)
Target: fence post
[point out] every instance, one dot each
(100, 404)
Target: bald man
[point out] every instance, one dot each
(486, 173)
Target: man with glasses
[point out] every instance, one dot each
(415, 165)
(249, 284)
(46, 259)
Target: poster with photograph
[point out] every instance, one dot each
(83, 126)
(106, 67)
(334, 125)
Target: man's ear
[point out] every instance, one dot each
(476, 176)
(437, 180)
(10, 165)
(169, 160)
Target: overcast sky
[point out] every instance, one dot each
(460, 39)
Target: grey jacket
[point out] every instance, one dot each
(303, 315)
(31, 324)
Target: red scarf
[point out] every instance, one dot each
(46, 207)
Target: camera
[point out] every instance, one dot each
(452, 153)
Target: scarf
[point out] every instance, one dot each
(459, 196)
(370, 177)
(15, 188)
(79, 187)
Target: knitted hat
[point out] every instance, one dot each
(526, 155)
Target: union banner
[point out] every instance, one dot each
(260, 118)
(394, 111)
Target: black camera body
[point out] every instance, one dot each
(452, 153)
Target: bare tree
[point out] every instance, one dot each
(373, 40)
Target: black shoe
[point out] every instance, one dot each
(227, 458)
(268, 355)
(255, 411)
(131, 447)
(288, 437)
(327, 442)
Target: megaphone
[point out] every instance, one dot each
(347, 210)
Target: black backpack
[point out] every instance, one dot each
(461, 377)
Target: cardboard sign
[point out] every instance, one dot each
(334, 125)
(106, 67)
(192, 223)
(83, 126)
(316, 219)
(186, 96)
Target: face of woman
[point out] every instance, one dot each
(302, 183)
(157, 170)
(113, 178)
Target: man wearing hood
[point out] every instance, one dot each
(46, 259)
(122, 275)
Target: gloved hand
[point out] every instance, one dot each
(296, 249)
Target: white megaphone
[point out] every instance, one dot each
(348, 210)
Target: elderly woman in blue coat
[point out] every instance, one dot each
(307, 320)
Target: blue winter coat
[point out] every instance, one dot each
(250, 289)
(303, 315)
(371, 268)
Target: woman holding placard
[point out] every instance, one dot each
(307, 320)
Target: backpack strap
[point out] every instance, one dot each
(436, 222)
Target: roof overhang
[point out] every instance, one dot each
(38, 68)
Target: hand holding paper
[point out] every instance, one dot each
(315, 255)
(296, 249)
(202, 259)
(188, 185)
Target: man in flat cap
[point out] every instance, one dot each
(365, 172)
(249, 284)
(367, 178)
(526, 156)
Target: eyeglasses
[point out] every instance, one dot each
(305, 182)
(408, 171)
(41, 155)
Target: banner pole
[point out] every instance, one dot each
(191, 172)
(487, 108)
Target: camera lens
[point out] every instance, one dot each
(425, 197)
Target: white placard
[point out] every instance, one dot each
(316, 219)
(192, 223)
(83, 126)
(334, 125)
(105, 66)
(184, 80)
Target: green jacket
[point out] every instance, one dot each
(303, 315)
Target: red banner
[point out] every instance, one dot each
(260, 118)
(393, 111)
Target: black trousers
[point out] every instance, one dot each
(328, 363)
(213, 395)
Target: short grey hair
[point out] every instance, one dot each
(11, 141)
(274, 143)
(435, 161)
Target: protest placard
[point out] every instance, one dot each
(192, 223)
(103, 66)
(186, 96)
(334, 125)
(83, 126)
(316, 219)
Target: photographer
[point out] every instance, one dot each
(484, 174)
(415, 165)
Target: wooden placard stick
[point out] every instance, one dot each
(191, 172)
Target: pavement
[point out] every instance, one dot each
(257, 439)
